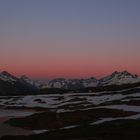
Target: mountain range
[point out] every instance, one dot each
(116, 78)
(10, 83)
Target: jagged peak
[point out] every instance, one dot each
(126, 73)
(115, 73)
(6, 76)
(6, 73)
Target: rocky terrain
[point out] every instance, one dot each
(104, 112)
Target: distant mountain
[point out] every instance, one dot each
(119, 78)
(27, 80)
(72, 83)
(11, 84)
(36, 83)
(62, 83)
(116, 78)
(5, 76)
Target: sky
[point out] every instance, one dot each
(69, 38)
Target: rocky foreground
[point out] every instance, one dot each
(105, 115)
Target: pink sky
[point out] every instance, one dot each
(98, 59)
(78, 38)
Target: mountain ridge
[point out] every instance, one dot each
(116, 78)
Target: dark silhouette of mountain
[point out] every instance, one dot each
(10, 84)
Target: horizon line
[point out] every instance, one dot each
(66, 77)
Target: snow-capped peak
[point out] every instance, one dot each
(5, 76)
(37, 83)
(123, 74)
(26, 79)
(118, 78)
